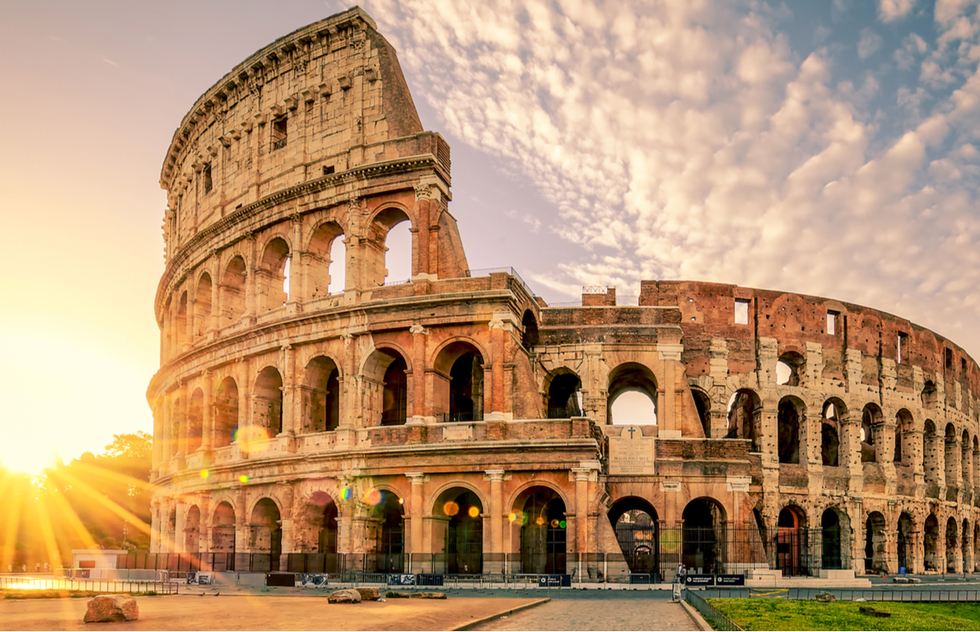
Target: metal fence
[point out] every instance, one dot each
(88, 585)
(715, 617)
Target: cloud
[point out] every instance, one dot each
(869, 43)
(891, 10)
(689, 140)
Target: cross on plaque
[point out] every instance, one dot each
(631, 430)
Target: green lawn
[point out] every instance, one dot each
(780, 614)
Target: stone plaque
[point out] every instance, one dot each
(463, 432)
(631, 453)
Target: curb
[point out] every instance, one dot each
(695, 616)
(469, 625)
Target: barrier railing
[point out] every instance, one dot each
(715, 617)
(846, 594)
(89, 585)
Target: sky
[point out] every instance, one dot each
(828, 148)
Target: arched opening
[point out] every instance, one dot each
(790, 368)
(931, 543)
(703, 547)
(543, 531)
(177, 420)
(463, 537)
(202, 306)
(180, 323)
(223, 529)
(951, 545)
(792, 413)
(461, 398)
(931, 455)
(564, 396)
(870, 423)
(638, 534)
(195, 421)
(976, 547)
(632, 398)
(268, 401)
(529, 325)
(327, 266)
(703, 405)
(966, 461)
(903, 426)
(391, 535)
(791, 541)
(266, 533)
(951, 456)
(830, 425)
(745, 417)
(386, 373)
(398, 252)
(831, 540)
(965, 546)
(272, 276)
(874, 544)
(231, 292)
(906, 543)
(192, 530)
(321, 395)
(225, 412)
(929, 395)
(322, 512)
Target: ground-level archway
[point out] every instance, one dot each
(638, 534)
(703, 549)
(462, 537)
(543, 531)
(791, 541)
(266, 533)
(874, 544)
(832, 540)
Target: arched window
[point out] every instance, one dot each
(461, 399)
(874, 544)
(744, 417)
(791, 541)
(632, 398)
(225, 412)
(833, 418)
(951, 543)
(327, 269)
(704, 536)
(870, 425)
(703, 405)
(272, 276)
(833, 541)
(266, 533)
(543, 531)
(321, 395)
(389, 260)
(389, 402)
(791, 415)
(398, 253)
(906, 542)
(529, 325)
(223, 529)
(231, 293)
(638, 534)
(790, 369)
(195, 421)
(202, 306)
(931, 543)
(391, 536)
(268, 401)
(564, 396)
(192, 530)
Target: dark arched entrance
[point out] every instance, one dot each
(905, 542)
(704, 536)
(391, 535)
(543, 532)
(463, 541)
(638, 534)
(931, 542)
(266, 534)
(791, 541)
(874, 544)
(831, 548)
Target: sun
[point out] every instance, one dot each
(31, 462)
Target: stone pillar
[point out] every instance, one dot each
(214, 323)
(159, 408)
(251, 281)
(207, 425)
(296, 267)
(204, 533)
(416, 511)
(582, 475)
(242, 540)
(421, 237)
(497, 333)
(179, 526)
(496, 512)
(288, 534)
(290, 420)
(155, 525)
(418, 411)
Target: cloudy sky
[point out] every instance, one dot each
(827, 148)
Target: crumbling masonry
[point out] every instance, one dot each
(454, 423)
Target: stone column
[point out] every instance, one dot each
(179, 526)
(496, 512)
(416, 511)
(251, 280)
(296, 267)
(242, 540)
(418, 411)
(289, 418)
(288, 543)
(582, 475)
(214, 322)
(204, 533)
(156, 523)
(207, 425)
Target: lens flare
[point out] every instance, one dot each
(512, 516)
(539, 521)
(450, 508)
(205, 473)
(562, 524)
(251, 438)
(554, 523)
(373, 497)
(244, 478)
(473, 512)
(347, 493)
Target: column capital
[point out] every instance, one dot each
(417, 478)
(495, 476)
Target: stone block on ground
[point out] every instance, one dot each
(368, 593)
(109, 608)
(428, 595)
(395, 594)
(825, 597)
(344, 596)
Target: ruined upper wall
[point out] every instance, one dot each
(325, 99)
(794, 320)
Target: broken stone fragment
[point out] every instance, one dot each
(109, 608)
(348, 595)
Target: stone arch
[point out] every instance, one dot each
(386, 391)
(906, 542)
(460, 397)
(745, 417)
(265, 525)
(316, 526)
(386, 219)
(966, 546)
(387, 512)
(903, 428)
(834, 544)
(871, 420)
(267, 394)
(790, 368)
(225, 412)
(231, 292)
(180, 323)
(874, 544)
(273, 275)
(195, 420)
(704, 523)
(192, 530)
(529, 330)
(930, 395)
(951, 544)
(791, 541)
(637, 528)
(223, 528)
(320, 395)
(202, 305)
(564, 394)
(951, 457)
(833, 419)
(327, 265)
(790, 421)
(459, 530)
(702, 403)
(632, 377)
(540, 510)
(930, 541)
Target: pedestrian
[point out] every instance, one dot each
(680, 574)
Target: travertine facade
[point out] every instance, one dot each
(455, 423)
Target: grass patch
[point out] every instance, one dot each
(782, 614)
(63, 594)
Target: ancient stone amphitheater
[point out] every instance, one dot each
(314, 413)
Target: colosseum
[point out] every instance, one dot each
(314, 413)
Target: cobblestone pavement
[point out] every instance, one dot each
(599, 611)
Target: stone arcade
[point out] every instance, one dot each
(312, 414)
